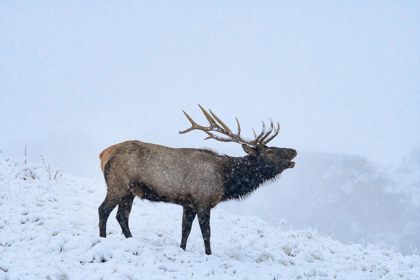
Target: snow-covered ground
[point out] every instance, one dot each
(48, 230)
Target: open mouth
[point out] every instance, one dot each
(291, 164)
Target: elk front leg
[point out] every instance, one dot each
(188, 216)
(204, 221)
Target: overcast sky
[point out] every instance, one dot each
(76, 77)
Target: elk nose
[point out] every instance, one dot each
(292, 153)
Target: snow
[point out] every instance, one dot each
(48, 230)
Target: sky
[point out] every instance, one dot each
(77, 77)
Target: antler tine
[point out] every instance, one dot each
(194, 125)
(208, 117)
(255, 135)
(276, 132)
(219, 121)
(239, 127)
(268, 132)
(258, 138)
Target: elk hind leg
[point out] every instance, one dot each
(188, 216)
(124, 209)
(104, 210)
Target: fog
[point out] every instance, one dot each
(341, 78)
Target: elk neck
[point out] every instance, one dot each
(243, 175)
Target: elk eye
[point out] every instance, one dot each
(270, 152)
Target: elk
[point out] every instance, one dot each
(196, 179)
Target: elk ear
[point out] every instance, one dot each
(249, 150)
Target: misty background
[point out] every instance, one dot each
(343, 79)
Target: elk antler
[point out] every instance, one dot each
(216, 125)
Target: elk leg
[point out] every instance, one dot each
(187, 220)
(104, 210)
(204, 221)
(124, 209)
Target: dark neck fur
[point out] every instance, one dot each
(243, 175)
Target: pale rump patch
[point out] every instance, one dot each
(107, 154)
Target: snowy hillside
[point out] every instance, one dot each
(48, 230)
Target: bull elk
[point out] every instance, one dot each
(196, 179)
